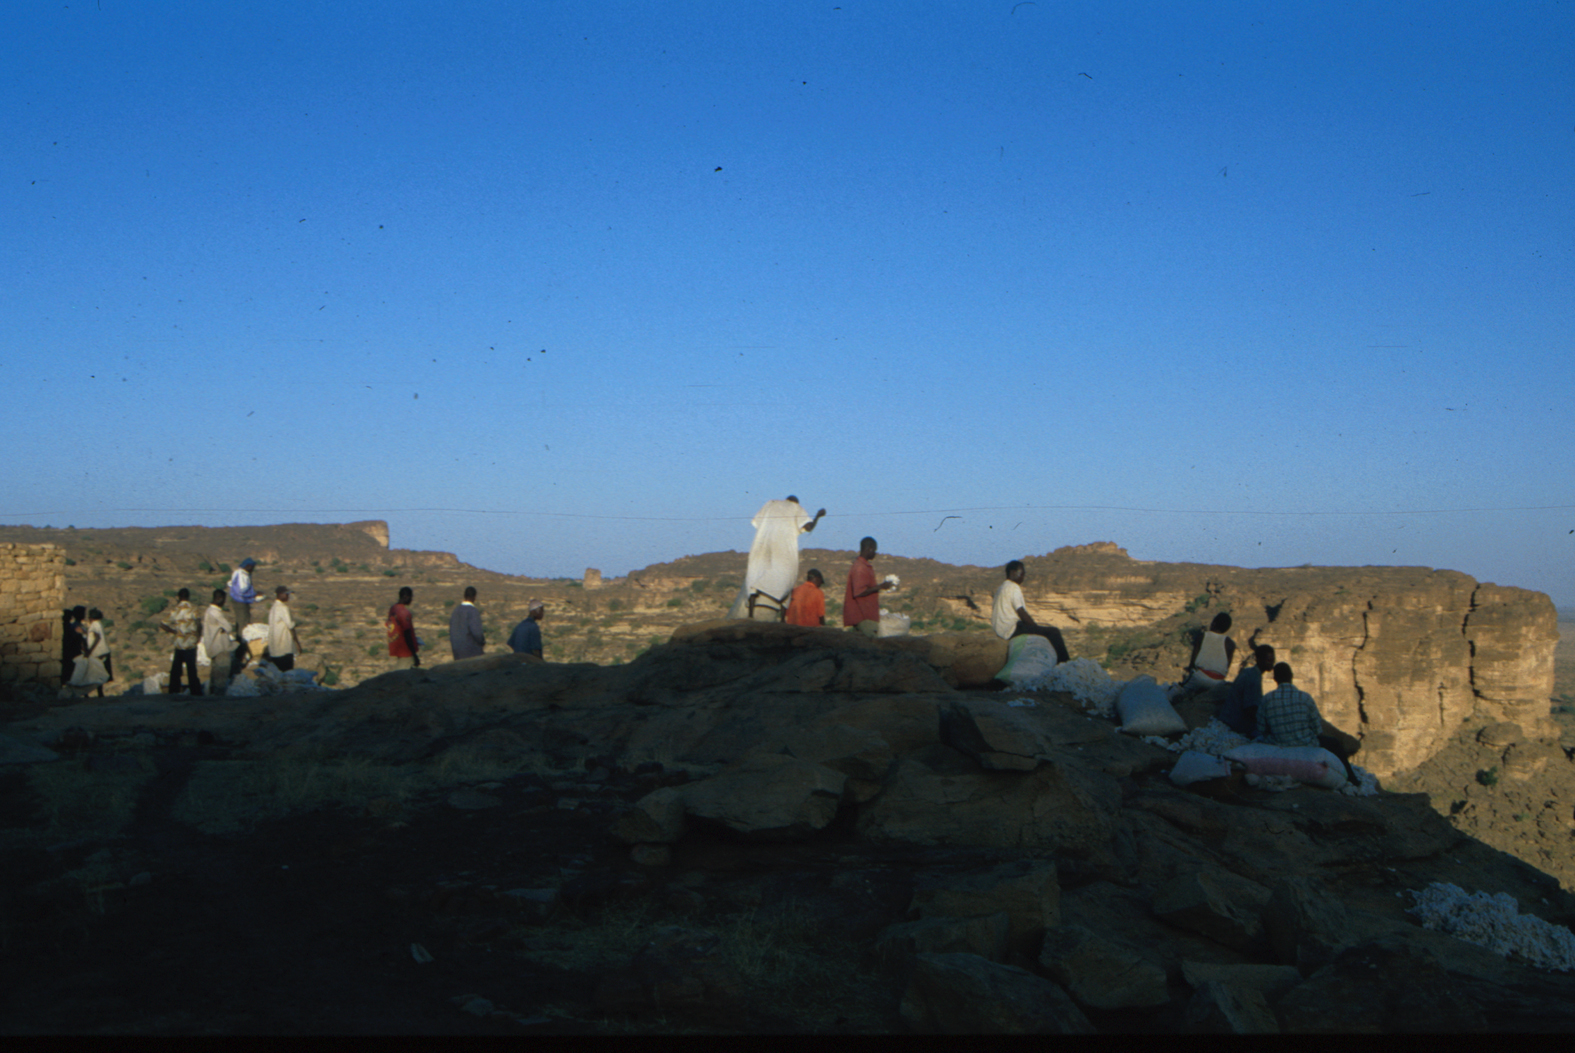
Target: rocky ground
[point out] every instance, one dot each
(450, 850)
(750, 830)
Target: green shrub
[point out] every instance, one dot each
(154, 604)
(615, 605)
(70, 562)
(1488, 777)
(317, 570)
(311, 606)
(390, 574)
(169, 594)
(205, 567)
(676, 601)
(122, 564)
(700, 586)
(330, 676)
(224, 568)
(1197, 602)
(374, 650)
(109, 623)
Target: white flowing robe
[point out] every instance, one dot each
(773, 558)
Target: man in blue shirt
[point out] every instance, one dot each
(1240, 711)
(526, 637)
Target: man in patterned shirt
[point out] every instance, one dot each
(187, 630)
(1287, 716)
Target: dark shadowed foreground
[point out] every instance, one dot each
(751, 829)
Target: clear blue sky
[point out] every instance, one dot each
(1234, 283)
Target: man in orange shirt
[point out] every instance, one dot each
(808, 604)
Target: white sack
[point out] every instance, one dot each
(1144, 709)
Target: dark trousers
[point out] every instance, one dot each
(1049, 632)
(285, 662)
(187, 659)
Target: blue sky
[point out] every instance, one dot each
(557, 286)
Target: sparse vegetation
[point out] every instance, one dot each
(122, 564)
(1488, 777)
(154, 604)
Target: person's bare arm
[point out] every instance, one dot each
(812, 522)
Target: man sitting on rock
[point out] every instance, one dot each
(1009, 615)
(1240, 710)
(807, 606)
(1212, 655)
(1288, 716)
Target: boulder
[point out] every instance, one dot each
(1101, 973)
(963, 659)
(1272, 981)
(1215, 903)
(938, 796)
(858, 753)
(1026, 891)
(984, 935)
(657, 818)
(1383, 986)
(965, 994)
(1306, 925)
(1220, 1009)
(768, 796)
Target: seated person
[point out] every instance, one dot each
(1288, 716)
(807, 605)
(1211, 656)
(1009, 615)
(1240, 709)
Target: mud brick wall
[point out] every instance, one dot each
(32, 592)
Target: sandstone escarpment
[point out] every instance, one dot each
(1401, 657)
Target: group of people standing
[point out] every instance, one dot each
(769, 593)
(466, 637)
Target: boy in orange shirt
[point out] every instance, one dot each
(808, 604)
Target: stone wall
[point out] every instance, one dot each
(32, 593)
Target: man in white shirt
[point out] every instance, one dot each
(772, 570)
(217, 639)
(1009, 615)
(283, 642)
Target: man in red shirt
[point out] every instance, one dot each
(861, 602)
(403, 646)
(808, 604)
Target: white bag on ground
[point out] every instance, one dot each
(1312, 765)
(1144, 709)
(1193, 766)
(893, 624)
(1027, 658)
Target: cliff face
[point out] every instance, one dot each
(1399, 656)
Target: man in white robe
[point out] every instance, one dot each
(773, 559)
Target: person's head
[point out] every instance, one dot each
(183, 594)
(790, 497)
(1015, 571)
(1220, 624)
(218, 597)
(817, 577)
(536, 611)
(95, 615)
(282, 592)
(406, 594)
(1263, 654)
(78, 613)
(1283, 674)
(867, 547)
(470, 592)
(248, 563)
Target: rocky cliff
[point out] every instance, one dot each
(1401, 657)
(1044, 874)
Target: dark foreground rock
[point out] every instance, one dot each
(970, 867)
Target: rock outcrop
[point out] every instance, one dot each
(1400, 657)
(1091, 894)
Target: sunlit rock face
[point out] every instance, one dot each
(1401, 657)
